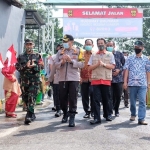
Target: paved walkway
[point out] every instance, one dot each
(47, 132)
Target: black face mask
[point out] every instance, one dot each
(101, 47)
(137, 50)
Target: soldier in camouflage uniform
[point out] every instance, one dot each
(29, 64)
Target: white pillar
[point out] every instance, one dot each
(53, 40)
(22, 37)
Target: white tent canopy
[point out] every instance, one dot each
(98, 2)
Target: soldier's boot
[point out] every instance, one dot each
(71, 120)
(65, 117)
(33, 117)
(28, 118)
(58, 113)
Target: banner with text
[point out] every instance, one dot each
(103, 22)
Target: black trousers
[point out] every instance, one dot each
(56, 96)
(87, 96)
(101, 93)
(126, 97)
(52, 85)
(110, 102)
(68, 95)
(116, 95)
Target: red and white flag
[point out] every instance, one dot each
(11, 55)
(1, 62)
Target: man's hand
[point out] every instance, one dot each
(63, 61)
(116, 72)
(28, 63)
(32, 65)
(41, 63)
(68, 58)
(64, 57)
(48, 83)
(125, 86)
(80, 80)
(101, 63)
(98, 63)
(13, 78)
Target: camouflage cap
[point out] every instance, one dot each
(28, 41)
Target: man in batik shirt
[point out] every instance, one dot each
(136, 77)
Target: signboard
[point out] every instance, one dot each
(103, 22)
(109, 2)
(102, 13)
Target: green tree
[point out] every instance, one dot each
(127, 43)
(42, 10)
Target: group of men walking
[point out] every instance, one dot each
(102, 73)
(102, 76)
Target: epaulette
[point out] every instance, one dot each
(76, 51)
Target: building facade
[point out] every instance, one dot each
(12, 22)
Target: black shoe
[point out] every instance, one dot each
(95, 121)
(65, 118)
(71, 120)
(108, 119)
(104, 116)
(92, 114)
(54, 108)
(33, 117)
(86, 115)
(117, 114)
(126, 106)
(28, 118)
(58, 113)
(27, 121)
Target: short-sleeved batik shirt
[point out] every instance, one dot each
(137, 67)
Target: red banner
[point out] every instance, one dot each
(103, 13)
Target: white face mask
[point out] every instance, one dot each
(66, 45)
(125, 57)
